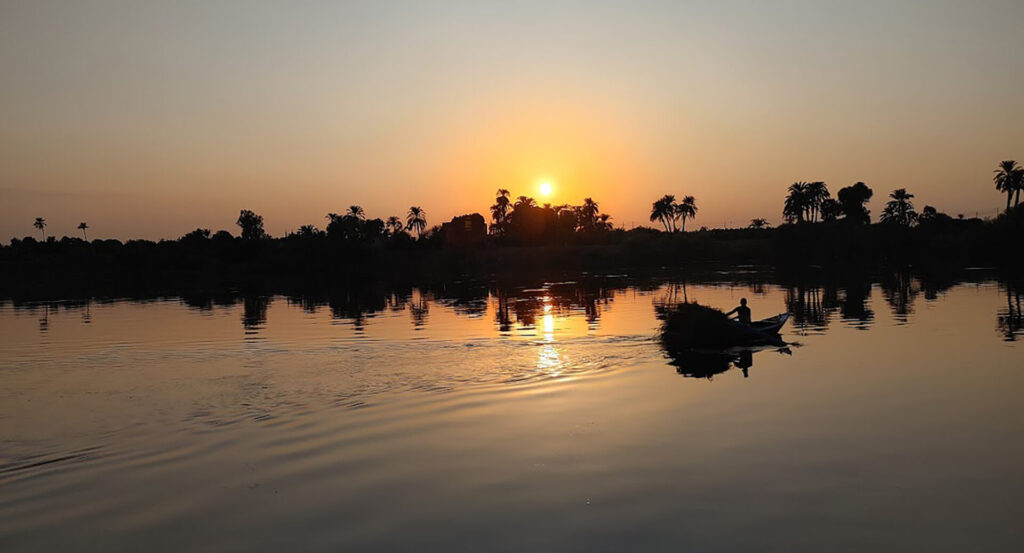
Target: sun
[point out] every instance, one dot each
(545, 188)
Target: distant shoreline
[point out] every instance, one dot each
(72, 267)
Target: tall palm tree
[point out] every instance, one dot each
(663, 210)
(900, 210)
(817, 193)
(684, 209)
(394, 225)
(41, 225)
(589, 212)
(82, 227)
(416, 220)
(356, 211)
(500, 209)
(1008, 179)
(796, 202)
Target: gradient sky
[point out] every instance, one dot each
(149, 119)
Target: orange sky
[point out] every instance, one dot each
(151, 119)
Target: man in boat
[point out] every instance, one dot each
(742, 312)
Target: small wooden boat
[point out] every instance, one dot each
(771, 325)
(697, 326)
(758, 332)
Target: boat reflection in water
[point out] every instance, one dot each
(696, 363)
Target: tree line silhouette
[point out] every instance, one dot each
(818, 229)
(524, 222)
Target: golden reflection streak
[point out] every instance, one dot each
(549, 359)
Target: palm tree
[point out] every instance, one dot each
(82, 227)
(356, 211)
(499, 211)
(394, 225)
(1008, 179)
(796, 202)
(817, 193)
(684, 209)
(603, 222)
(525, 201)
(663, 210)
(589, 212)
(900, 210)
(41, 225)
(308, 230)
(416, 220)
(759, 223)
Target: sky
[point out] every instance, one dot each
(149, 119)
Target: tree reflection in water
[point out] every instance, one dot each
(1011, 319)
(811, 307)
(853, 305)
(814, 305)
(900, 291)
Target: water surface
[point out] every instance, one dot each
(484, 417)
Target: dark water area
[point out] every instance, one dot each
(475, 415)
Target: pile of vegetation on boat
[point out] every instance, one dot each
(696, 326)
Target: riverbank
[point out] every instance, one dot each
(72, 267)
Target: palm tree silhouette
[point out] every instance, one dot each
(356, 211)
(589, 212)
(82, 227)
(499, 211)
(394, 225)
(759, 223)
(663, 210)
(796, 202)
(684, 209)
(1009, 179)
(41, 225)
(525, 201)
(416, 220)
(900, 210)
(817, 193)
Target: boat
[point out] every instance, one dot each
(765, 331)
(771, 325)
(697, 326)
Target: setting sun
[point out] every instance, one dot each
(545, 188)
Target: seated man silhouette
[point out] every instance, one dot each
(742, 312)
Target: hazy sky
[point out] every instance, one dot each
(149, 119)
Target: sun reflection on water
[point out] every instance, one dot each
(550, 360)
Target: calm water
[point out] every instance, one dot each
(483, 418)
